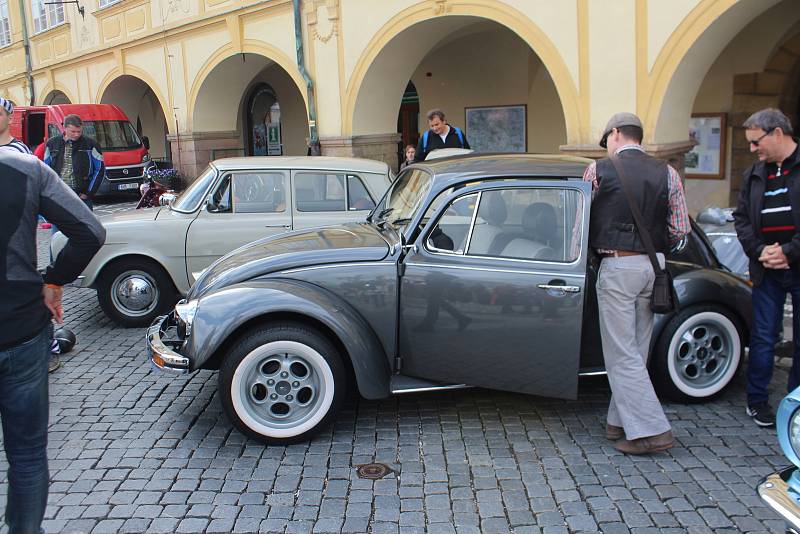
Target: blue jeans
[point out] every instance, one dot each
(768, 299)
(24, 412)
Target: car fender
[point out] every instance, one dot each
(710, 286)
(221, 314)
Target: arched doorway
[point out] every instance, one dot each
(232, 99)
(460, 63)
(408, 120)
(56, 97)
(142, 106)
(263, 122)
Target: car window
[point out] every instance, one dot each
(539, 224)
(259, 192)
(319, 192)
(52, 131)
(220, 201)
(358, 198)
(452, 229)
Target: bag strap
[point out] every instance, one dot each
(425, 140)
(460, 136)
(637, 215)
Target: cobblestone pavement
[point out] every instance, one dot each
(131, 451)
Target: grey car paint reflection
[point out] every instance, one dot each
(398, 308)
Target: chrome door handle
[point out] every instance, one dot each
(565, 289)
(277, 226)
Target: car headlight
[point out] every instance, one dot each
(788, 426)
(145, 158)
(185, 312)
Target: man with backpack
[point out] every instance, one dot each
(439, 135)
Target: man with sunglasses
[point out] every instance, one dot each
(767, 222)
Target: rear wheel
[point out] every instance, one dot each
(698, 354)
(281, 383)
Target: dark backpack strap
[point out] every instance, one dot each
(637, 215)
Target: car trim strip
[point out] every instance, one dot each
(489, 269)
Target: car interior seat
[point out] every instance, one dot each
(489, 223)
(539, 224)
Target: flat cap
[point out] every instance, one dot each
(618, 120)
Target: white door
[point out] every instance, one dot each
(244, 207)
(325, 198)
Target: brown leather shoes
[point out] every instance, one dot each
(657, 443)
(613, 433)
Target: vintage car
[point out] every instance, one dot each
(781, 490)
(152, 256)
(471, 271)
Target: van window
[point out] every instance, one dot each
(112, 135)
(52, 131)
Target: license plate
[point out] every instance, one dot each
(123, 187)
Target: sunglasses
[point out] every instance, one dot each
(755, 142)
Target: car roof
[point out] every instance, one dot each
(457, 169)
(321, 163)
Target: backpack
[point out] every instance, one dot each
(425, 138)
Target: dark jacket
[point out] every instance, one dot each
(435, 142)
(747, 216)
(612, 226)
(87, 162)
(31, 188)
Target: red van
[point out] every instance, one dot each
(124, 152)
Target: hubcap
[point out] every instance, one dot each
(135, 293)
(282, 388)
(703, 354)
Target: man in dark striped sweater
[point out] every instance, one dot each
(768, 225)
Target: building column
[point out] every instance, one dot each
(381, 147)
(193, 151)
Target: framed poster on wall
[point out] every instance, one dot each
(497, 128)
(707, 158)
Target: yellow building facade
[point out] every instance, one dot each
(210, 78)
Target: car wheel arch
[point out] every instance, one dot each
(371, 374)
(138, 257)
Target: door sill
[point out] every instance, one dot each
(401, 384)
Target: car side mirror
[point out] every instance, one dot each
(211, 206)
(146, 142)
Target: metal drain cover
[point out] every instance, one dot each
(373, 471)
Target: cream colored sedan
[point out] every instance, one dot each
(151, 256)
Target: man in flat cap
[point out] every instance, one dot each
(635, 418)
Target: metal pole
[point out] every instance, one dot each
(313, 142)
(27, 48)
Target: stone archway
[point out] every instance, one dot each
(55, 97)
(458, 62)
(220, 103)
(144, 110)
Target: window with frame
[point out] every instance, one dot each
(259, 193)
(105, 3)
(316, 192)
(5, 25)
(536, 224)
(46, 16)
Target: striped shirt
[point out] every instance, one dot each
(777, 223)
(17, 145)
(678, 223)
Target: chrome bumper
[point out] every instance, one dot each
(161, 353)
(775, 491)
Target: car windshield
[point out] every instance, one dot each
(188, 201)
(112, 135)
(403, 199)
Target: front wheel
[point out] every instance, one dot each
(697, 354)
(281, 383)
(133, 292)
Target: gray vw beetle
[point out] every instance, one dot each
(471, 271)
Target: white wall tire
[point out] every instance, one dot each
(282, 383)
(698, 354)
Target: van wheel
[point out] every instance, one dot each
(281, 383)
(697, 354)
(135, 292)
